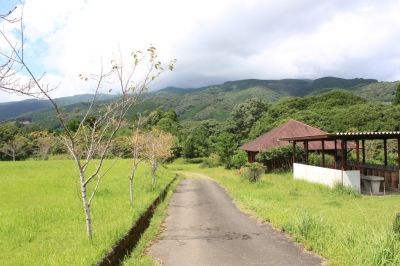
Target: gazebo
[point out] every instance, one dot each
(346, 172)
(277, 137)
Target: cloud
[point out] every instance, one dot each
(216, 41)
(306, 39)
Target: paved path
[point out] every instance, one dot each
(204, 227)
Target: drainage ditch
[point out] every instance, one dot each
(124, 246)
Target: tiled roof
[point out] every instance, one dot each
(291, 128)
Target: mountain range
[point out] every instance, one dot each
(211, 102)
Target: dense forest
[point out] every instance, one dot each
(212, 102)
(214, 141)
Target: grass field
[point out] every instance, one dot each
(41, 215)
(42, 220)
(344, 227)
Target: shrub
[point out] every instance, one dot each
(211, 161)
(239, 159)
(254, 171)
(283, 155)
(316, 159)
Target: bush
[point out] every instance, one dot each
(210, 162)
(239, 159)
(316, 160)
(254, 171)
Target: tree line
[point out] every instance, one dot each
(335, 111)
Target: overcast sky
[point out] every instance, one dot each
(214, 41)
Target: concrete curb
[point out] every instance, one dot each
(125, 245)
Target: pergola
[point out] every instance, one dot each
(345, 137)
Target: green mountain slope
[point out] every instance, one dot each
(382, 92)
(335, 111)
(14, 109)
(216, 102)
(175, 90)
(326, 84)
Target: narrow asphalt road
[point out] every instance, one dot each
(204, 227)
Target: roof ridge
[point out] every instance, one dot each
(311, 126)
(284, 125)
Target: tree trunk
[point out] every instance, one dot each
(131, 177)
(131, 189)
(86, 207)
(153, 173)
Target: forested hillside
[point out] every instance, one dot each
(335, 111)
(242, 116)
(217, 102)
(15, 109)
(323, 85)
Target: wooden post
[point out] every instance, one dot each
(335, 155)
(306, 147)
(357, 155)
(250, 156)
(398, 153)
(323, 153)
(363, 149)
(294, 152)
(343, 154)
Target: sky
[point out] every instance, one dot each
(213, 41)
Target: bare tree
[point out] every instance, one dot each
(137, 145)
(138, 149)
(44, 143)
(90, 143)
(156, 148)
(15, 147)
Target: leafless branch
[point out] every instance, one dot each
(5, 17)
(100, 176)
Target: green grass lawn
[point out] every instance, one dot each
(42, 221)
(346, 228)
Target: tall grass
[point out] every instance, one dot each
(337, 223)
(41, 215)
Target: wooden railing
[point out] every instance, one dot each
(389, 172)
